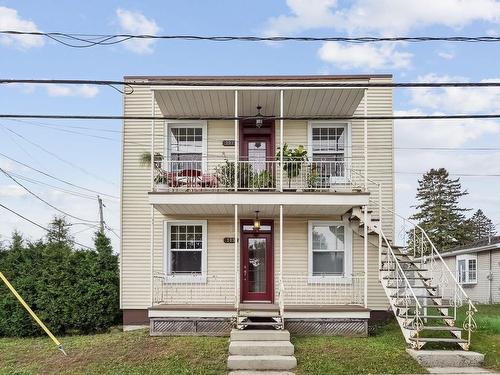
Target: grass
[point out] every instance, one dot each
(382, 353)
(115, 353)
(138, 353)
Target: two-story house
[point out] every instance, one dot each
(263, 201)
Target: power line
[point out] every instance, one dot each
(59, 158)
(39, 225)
(244, 82)
(56, 178)
(213, 118)
(41, 199)
(80, 40)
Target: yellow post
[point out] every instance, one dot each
(33, 315)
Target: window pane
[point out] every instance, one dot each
(472, 270)
(461, 271)
(328, 263)
(185, 262)
(328, 237)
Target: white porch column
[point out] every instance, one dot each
(236, 264)
(151, 210)
(365, 253)
(236, 140)
(281, 243)
(281, 140)
(365, 136)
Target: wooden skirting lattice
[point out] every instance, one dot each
(222, 326)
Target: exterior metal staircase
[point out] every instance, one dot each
(424, 294)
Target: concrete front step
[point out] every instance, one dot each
(260, 335)
(261, 362)
(261, 348)
(262, 372)
(447, 358)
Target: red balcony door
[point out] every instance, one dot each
(257, 144)
(257, 270)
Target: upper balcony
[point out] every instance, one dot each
(207, 175)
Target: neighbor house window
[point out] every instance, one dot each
(328, 145)
(186, 145)
(186, 249)
(467, 269)
(330, 250)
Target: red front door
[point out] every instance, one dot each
(257, 281)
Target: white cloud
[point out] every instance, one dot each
(364, 56)
(12, 191)
(82, 91)
(10, 20)
(440, 133)
(446, 55)
(386, 17)
(136, 23)
(85, 91)
(456, 99)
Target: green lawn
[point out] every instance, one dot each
(137, 353)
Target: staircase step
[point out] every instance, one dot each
(426, 316)
(260, 335)
(392, 269)
(261, 348)
(259, 313)
(262, 324)
(437, 339)
(259, 307)
(428, 306)
(411, 296)
(413, 287)
(402, 261)
(441, 328)
(261, 362)
(409, 278)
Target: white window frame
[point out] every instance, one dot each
(347, 146)
(187, 124)
(466, 258)
(347, 276)
(176, 278)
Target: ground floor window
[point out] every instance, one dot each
(467, 269)
(186, 250)
(330, 250)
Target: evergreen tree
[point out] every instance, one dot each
(438, 210)
(479, 226)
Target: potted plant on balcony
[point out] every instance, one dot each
(293, 159)
(159, 179)
(313, 178)
(263, 180)
(225, 175)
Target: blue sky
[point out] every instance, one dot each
(100, 158)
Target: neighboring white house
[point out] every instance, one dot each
(222, 229)
(477, 268)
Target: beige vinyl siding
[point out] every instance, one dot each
(136, 211)
(480, 291)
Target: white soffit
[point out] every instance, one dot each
(310, 102)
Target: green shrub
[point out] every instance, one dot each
(71, 290)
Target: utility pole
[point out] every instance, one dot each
(101, 216)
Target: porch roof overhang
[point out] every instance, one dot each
(222, 204)
(219, 101)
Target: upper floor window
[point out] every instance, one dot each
(467, 268)
(328, 146)
(330, 250)
(186, 145)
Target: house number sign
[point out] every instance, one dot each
(228, 239)
(228, 142)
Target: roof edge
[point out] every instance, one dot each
(261, 78)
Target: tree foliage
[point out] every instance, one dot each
(438, 209)
(479, 226)
(72, 290)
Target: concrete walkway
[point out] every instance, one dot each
(459, 370)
